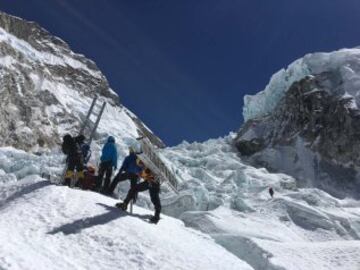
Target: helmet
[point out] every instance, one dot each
(140, 163)
(111, 139)
(135, 147)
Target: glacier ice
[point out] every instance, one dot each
(345, 63)
(241, 216)
(266, 100)
(227, 199)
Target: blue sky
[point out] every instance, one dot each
(184, 66)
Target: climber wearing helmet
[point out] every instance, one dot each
(129, 171)
(150, 183)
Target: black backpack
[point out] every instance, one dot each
(68, 145)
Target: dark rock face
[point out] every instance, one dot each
(250, 147)
(313, 134)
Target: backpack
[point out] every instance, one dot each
(68, 144)
(86, 152)
(89, 180)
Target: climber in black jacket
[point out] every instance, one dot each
(74, 159)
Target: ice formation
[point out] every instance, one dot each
(229, 200)
(219, 195)
(345, 63)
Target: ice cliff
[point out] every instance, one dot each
(344, 63)
(307, 122)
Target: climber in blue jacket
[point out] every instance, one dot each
(108, 163)
(129, 171)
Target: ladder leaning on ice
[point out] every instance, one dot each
(82, 130)
(90, 112)
(152, 160)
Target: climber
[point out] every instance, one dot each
(271, 192)
(108, 162)
(85, 148)
(74, 159)
(151, 184)
(129, 171)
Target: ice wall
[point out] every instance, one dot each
(345, 63)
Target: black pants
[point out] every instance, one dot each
(74, 162)
(122, 176)
(154, 190)
(105, 168)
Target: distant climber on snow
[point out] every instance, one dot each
(108, 162)
(74, 159)
(129, 171)
(150, 183)
(271, 192)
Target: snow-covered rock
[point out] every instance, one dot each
(46, 91)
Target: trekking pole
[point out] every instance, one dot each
(131, 206)
(63, 174)
(74, 179)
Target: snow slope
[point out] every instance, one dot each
(300, 229)
(44, 226)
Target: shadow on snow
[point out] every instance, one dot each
(25, 190)
(78, 225)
